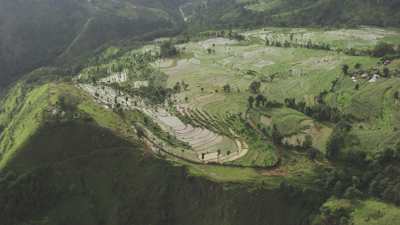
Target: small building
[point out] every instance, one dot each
(386, 62)
(374, 78)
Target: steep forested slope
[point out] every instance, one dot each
(35, 33)
(294, 12)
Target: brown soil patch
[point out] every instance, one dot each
(278, 172)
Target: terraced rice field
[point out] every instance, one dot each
(208, 145)
(298, 73)
(285, 72)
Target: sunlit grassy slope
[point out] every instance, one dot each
(365, 212)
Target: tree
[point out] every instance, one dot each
(276, 135)
(352, 193)
(345, 69)
(335, 143)
(357, 66)
(386, 72)
(338, 189)
(260, 99)
(397, 95)
(382, 49)
(355, 181)
(250, 100)
(93, 80)
(167, 49)
(227, 88)
(255, 87)
(178, 87)
(312, 153)
(141, 133)
(307, 142)
(185, 85)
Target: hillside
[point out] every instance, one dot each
(66, 159)
(40, 33)
(225, 112)
(233, 13)
(37, 33)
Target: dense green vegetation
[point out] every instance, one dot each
(37, 33)
(234, 13)
(221, 124)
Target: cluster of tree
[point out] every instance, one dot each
(210, 51)
(320, 111)
(396, 95)
(380, 50)
(168, 49)
(235, 36)
(337, 139)
(155, 95)
(224, 34)
(67, 102)
(383, 176)
(276, 135)
(380, 177)
(180, 86)
(383, 49)
(134, 64)
(255, 87)
(358, 70)
(259, 100)
(294, 44)
(227, 88)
